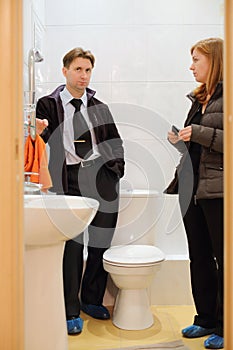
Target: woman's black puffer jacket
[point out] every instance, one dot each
(209, 134)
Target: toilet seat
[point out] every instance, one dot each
(133, 255)
(130, 265)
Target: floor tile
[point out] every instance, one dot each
(168, 322)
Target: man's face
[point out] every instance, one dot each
(78, 75)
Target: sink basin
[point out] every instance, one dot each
(49, 221)
(52, 218)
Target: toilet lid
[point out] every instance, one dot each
(133, 254)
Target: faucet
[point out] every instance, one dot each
(31, 187)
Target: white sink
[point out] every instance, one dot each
(50, 218)
(49, 221)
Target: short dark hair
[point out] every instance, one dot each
(78, 52)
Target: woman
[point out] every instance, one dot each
(202, 165)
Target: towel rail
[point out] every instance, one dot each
(34, 56)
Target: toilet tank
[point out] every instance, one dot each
(139, 211)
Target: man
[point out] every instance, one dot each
(83, 165)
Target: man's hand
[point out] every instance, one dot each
(41, 124)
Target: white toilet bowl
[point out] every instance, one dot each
(132, 269)
(133, 259)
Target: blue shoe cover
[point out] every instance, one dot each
(74, 326)
(96, 311)
(214, 342)
(195, 331)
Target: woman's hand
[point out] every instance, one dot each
(185, 133)
(172, 137)
(41, 124)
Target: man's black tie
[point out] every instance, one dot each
(82, 135)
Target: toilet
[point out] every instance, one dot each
(133, 259)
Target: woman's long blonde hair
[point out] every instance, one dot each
(213, 49)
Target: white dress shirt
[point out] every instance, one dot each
(68, 131)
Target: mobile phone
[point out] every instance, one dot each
(175, 129)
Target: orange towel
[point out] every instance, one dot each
(36, 161)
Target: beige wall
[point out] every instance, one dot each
(11, 240)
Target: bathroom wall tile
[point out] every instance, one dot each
(158, 12)
(103, 90)
(149, 164)
(28, 32)
(39, 34)
(126, 61)
(91, 12)
(133, 12)
(202, 31)
(170, 233)
(211, 12)
(170, 59)
(139, 171)
(171, 286)
(107, 12)
(60, 12)
(130, 59)
(169, 100)
(39, 9)
(180, 12)
(166, 99)
(138, 122)
(129, 92)
(128, 56)
(62, 39)
(45, 89)
(33, 36)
